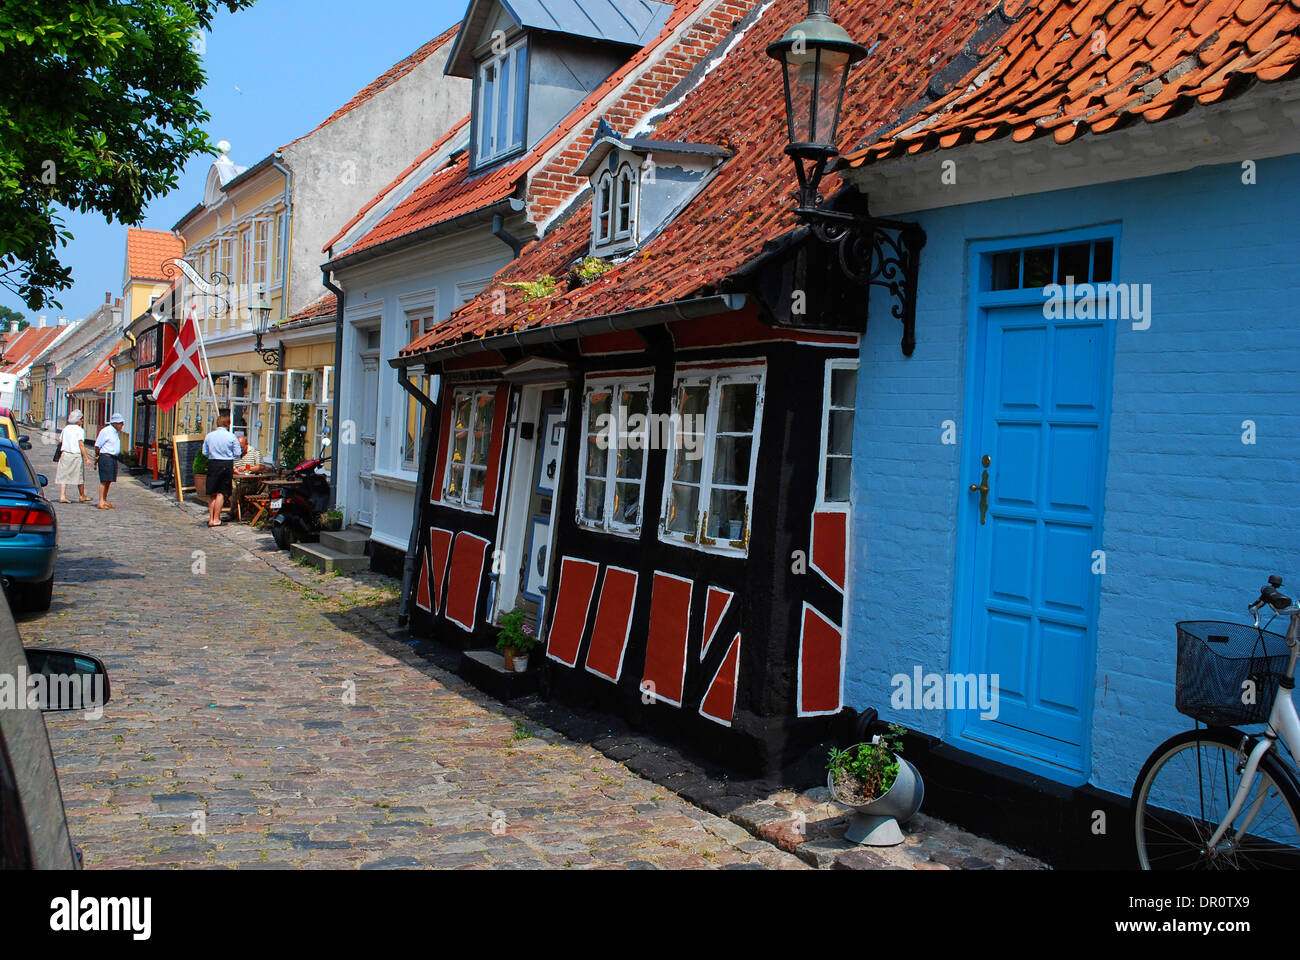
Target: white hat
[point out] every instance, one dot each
(117, 418)
(74, 416)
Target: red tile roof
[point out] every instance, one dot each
(453, 191)
(25, 346)
(99, 379)
(738, 105)
(1090, 66)
(386, 79)
(326, 306)
(148, 250)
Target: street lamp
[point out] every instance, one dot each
(260, 308)
(816, 56)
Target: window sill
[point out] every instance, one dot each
(395, 481)
(625, 534)
(721, 548)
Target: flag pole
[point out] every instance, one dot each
(203, 351)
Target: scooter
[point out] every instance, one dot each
(296, 509)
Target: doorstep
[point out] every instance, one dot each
(486, 669)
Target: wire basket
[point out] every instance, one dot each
(1217, 661)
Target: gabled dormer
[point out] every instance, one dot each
(532, 63)
(639, 185)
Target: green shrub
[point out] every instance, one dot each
(200, 463)
(513, 632)
(874, 766)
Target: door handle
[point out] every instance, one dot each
(983, 488)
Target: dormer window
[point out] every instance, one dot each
(501, 102)
(614, 222)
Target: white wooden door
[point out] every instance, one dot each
(367, 429)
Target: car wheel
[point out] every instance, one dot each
(38, 596)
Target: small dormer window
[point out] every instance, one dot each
(502, 102)
(615, 217)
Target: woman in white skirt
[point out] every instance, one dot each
(72, 459)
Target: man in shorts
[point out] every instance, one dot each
(108, 446)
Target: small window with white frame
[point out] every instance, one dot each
(413, 419)
(469, 445)
(838, 407)
(615, 208)
(616, 417)
(276, 386)
(322, 424)
(709, 479)
(502, 87)
(301, 386)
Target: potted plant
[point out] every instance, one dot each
(515, 639)
(882, 787)
(200, 475)
(332, 520)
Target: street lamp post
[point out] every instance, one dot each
(260, 307)
(816, 55)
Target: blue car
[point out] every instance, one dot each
(28, 532)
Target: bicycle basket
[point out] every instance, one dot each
(1219, 664)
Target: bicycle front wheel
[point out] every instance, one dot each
(1183, 793)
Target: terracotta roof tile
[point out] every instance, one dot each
(101, 378)
(1159, 60)
(24, 347)
(738, 105)
(148, 250)
(326, 306)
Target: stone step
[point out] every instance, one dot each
(328, 560)
(345, 541)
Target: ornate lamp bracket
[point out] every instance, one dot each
(270, 355)
(875, 252)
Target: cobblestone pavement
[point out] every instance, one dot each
(229, 716)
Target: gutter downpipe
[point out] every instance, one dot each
(284, 307)
(338, 366)
(426, 444)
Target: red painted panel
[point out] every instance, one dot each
(743, 326)
(440, 550)
(500, 414)
(620, 341)
(444, 441)
(465, 580)
(613, 622)
(476, 361)
(830, 538)
(719, 701)
(572, 602)
(715, 606)
(665, 654)
(422, 587)
(821, 664)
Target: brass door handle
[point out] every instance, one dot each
(983, 488)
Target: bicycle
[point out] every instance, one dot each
(1218, 798)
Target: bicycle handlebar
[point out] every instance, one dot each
(1270, 595)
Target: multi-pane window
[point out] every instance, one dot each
(281, 244)
(322, 424)
(502, 85)
(837, 431)
(414, 423)
(1033, 267)
(243, 405)
(226, 264)
(470, 442)
(615, 210)
(261, 249)
(614, 455)
(709, 486)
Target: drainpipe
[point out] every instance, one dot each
(426, 445)
(338, 370)
(509, 239)
(284, 306)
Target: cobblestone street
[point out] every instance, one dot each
(229, 741)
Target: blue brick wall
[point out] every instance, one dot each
(1194, 519)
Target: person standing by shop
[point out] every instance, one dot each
(108, 445)
(222, 448)
(73, 459)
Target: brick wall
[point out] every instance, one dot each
(1194, 519)
(552, 186)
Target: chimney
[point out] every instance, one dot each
(108, 296)
(13, 326)
(41, 322)
(63, 321)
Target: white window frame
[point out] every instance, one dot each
(474, 393)
(325, 385)
(408, 460)
(823, 504)
(486, 107)
(297, 390)
(275, 386)
(248, 402)
(755, 372)
(262, 246)
(279, 247)
(607, 524)
(613, 191)
(321, 423)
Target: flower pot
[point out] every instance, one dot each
(876, 823)
(509, 654)
(200, 484)
(521, 663)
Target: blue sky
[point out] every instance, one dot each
(274, 72)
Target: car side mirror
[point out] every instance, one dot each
(45, 481)
(65, 680)
(24, 442)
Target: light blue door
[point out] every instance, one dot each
(1040, 412)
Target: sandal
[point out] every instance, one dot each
(107, 506)
(65, 501)
(82, 500)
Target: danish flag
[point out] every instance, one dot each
(182, 366)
